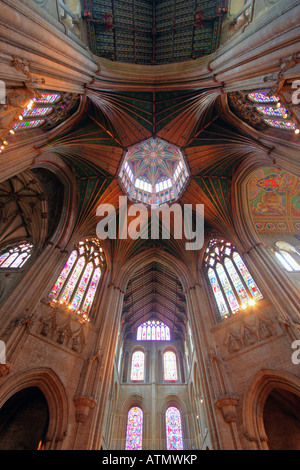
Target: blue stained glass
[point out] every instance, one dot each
(263, 97)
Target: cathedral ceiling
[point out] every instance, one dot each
(154, 31)
(154, 293)
(192, 120)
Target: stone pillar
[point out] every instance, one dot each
(197, 314)
(228, 405)
(102, 357)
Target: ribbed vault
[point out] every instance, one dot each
(154, 292)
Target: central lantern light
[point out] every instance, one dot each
(153, 172)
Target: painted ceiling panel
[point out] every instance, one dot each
(274, 201)
(154, 31)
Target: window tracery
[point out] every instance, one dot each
(15, 256)
(79, 279)
(263, 109)
(153, 330)
(230, 280)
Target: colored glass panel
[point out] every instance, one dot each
(37, 112)
(270, 111)
(217, 292)
(234, 305)
(154, 331)
(3, 257)
(139, 334)
(134, 433)
(89, 298)
(174, 429)
(236, 280)
(263, 97)
(20, 260)
(16, 257)
(82, 286)
(170, 367)
(168, 336)
(10, 260)
(71, 284)
(21, 126)
(63, 275)
(285, 125)
(246, 276)
(137, 366)
(48, 98)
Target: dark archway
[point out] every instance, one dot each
(24, 420)
(282, 420)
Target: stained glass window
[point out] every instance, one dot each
(285, 125)
(153, 330)
(174, 429)
(273, 113)
(134, 432)
(270, 111)
(37, 112)
(49, 98)
(217, 292)
(137, 366)
(15, 256)
(252, 287)
(232, 284)
(23, 125)
(263, 97)
(170, 366)
(78, 281)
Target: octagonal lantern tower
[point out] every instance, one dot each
(154, 172)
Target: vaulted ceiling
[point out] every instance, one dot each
(154, 292)
(115, 115)
(154, 31)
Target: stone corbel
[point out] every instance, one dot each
(228, 405)
(4, 369)
(83, 405)
(31, 81)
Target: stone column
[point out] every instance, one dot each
(108, 320)
(197, 313)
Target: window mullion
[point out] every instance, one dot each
(88, 284)
(68, 276)
(78, 281)
(223, 291)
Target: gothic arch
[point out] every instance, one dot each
(259, 388)
(185, 275)
(52, 388)
(51, 162)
